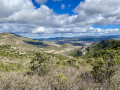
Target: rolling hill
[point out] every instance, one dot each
(22, 43)
(46, 65)
(27, 44)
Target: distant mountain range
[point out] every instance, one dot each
(28, 45)
(81, 38)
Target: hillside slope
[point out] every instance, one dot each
(55, 70)
(27, 44)
(106, 44)
(21, 42)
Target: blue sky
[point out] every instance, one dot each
(58, 18)
(112, 26)
(70, 5)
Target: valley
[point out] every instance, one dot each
(64, 64)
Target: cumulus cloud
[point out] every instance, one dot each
(42, 30)
(22, 17)
(69, 5)
(74, 30)
(7, 7)
(30, 15)
(62, 6)
(98, 6)
(107, 11)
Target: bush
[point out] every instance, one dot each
(40, 64)
(105, 66)
(58, 82)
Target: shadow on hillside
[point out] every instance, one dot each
(72, 43)
(39, 44)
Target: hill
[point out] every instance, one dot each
(32, 64)
(22, 43)
(27, 44)
(98, 46)
(106, 44)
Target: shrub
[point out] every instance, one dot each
(40, 64)
(58, 82)
(105, 66)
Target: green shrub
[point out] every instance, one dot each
(40, 64)
(61, 78)
(58, 82)
(105, 65)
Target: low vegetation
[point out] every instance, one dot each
(96, 67)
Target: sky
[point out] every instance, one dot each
(60, 18)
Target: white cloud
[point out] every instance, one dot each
(98, 6)
(108, 10)
(42, 30)
(104, 31)
(41, 1)
(74, 30)
(22, 17)
(7, 7)
(62, 6)
(30, 15)
(69, 5)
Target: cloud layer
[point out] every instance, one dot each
(22, 17)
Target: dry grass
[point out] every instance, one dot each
(75, 79)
